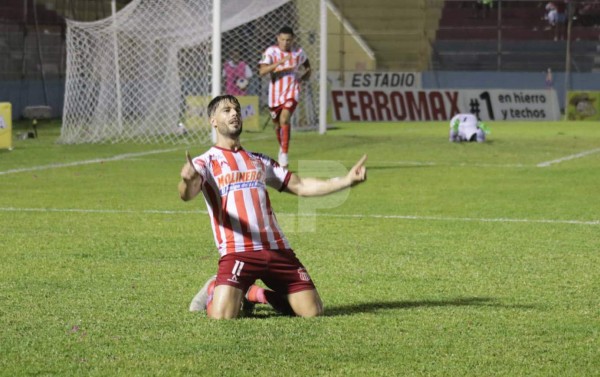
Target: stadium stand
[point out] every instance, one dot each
(18, 39)
(400, 36)
(525, 42)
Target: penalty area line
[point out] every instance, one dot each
(401, 163)
(331, 215)
(567, 158)
(99, 160)
(471, 219)
(107, 211)
(87, 162)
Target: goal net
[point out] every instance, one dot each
(144, 74)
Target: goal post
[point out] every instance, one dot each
(145, 74)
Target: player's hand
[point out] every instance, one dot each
(281, 62)
(358, 173)
(188, 172)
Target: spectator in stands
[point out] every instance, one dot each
(549, 79)
(588, 13)
(556, 16)
(483, 7)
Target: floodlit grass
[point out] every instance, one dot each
(452, 260)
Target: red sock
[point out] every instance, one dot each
(278, 134)
(266, 296)
(210, 290)
(256, 294)
(285, 137)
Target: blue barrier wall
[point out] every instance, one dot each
(31, 93)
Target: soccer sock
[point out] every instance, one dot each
(256, 294)
(285, 138)
(283, 159)
(210, 290)
(260, 295)
(278, 134)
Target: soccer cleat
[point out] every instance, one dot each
(200, 301)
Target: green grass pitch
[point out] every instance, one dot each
(451, 260)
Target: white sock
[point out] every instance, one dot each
(283, 158)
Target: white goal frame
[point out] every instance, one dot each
(98, 102)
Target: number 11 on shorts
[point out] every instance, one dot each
(237, 270)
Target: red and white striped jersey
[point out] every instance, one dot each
(284, 83)
(235, 191)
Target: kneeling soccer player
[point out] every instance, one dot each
(250, 241)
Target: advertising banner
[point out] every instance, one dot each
(583, 105)
(374, 80)
(5, 125)
(366, 105)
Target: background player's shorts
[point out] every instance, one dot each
(280, 270)
(289, 105)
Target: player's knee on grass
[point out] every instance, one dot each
(226, 303)
(306, 303)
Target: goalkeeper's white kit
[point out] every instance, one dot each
(465, 127)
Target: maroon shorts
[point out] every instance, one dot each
(289, 105)
(280, 270)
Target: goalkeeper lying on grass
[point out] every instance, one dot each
(466, 127)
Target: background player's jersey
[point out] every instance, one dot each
(235, 191)
(467, 126)
(284, 83)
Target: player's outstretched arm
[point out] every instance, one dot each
(318, 187)
(191, 182)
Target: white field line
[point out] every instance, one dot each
(87, 162)
(127, 156)
(390, 217)
(567, 158)
(428, 163)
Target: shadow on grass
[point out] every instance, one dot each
(371, 307)
(266, 311)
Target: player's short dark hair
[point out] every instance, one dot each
(286, 30)
(214, 103)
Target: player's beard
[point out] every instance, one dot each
(229, 130)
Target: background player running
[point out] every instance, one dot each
(287, 65)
